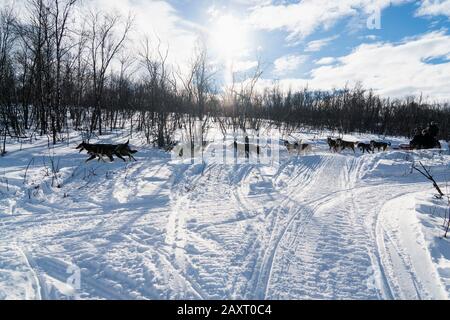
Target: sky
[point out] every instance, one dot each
(397, 48)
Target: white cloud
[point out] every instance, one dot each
(391, 69)
(160, 22)
(252, 2)
(288, 63)
(302, 18)
(434, 8)
(213, 12)
(371, 37)
(326, 61)
(245, 65)
(317, 45)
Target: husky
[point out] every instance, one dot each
(125, 150)
(101, 150)
(332, 144)
(97, 150)
(346, 144)
(298, 147)
(365, 147)
(380, 145)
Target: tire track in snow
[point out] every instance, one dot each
(176, 233)
(305, 213)
(335, 250)
(339, 168)
(265, 271)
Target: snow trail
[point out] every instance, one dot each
(410, 271)
(320, 226)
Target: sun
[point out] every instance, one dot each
(229, 37)
(230, 43)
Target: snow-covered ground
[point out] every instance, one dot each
(318, 226)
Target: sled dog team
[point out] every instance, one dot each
(298, 148)
(123, 150)
(339, 144)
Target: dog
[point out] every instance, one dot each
(125, 150)
(97, 150)
(332, 144)
(380, 145)
(305, 148)
(365, 147)
(108, 150)
(298, 147)
(345, 144)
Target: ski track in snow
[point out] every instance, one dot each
(320, 226)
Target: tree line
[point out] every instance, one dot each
(61, 70)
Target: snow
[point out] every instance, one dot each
(318, 226)
(402, 244)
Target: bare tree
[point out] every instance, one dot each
(158, 92)
(426, 173)
(60, 12)
(103, 45)
(8, 117)
(197, 89)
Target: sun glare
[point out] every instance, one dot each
(229, 37)
(230, 42)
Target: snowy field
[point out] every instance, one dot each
(318, 226)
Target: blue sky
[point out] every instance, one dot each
(307, 43)
(322, 44)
